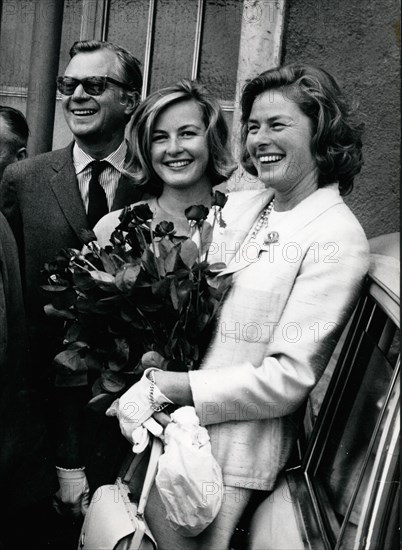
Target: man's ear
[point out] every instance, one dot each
(131, 100)
(21, 153)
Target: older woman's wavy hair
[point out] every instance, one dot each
(139, 165)
(336, 139)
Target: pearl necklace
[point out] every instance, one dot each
(263, 219)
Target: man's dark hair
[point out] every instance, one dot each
(17, 123)
(130, 66)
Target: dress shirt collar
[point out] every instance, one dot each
(81, 159)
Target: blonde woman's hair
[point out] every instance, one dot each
(139, 165)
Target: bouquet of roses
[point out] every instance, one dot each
(148, 291)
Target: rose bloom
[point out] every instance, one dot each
(196, 213)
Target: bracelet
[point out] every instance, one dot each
(154, 407)
(82, 469)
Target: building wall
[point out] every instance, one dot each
(356, 40)
(359, 42)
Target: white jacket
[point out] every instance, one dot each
(278, 326)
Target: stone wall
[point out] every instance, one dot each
(359, 42)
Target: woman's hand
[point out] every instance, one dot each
(136, 405)
(162, 418)
(155, 425)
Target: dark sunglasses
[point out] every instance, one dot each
(93, 85)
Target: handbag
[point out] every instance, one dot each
(113, 520)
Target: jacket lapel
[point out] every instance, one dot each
(65, 187)
(303, 214)
(239, 215)
(127, 193)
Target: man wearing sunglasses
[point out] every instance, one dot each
(51, 197)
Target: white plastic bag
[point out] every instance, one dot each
(186, 472)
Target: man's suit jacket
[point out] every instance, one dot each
(279, 324)
(26, 476)
(41, 200)
(42, 203)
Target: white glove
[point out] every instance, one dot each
(134, 407)
(140, 435)
(72, 499)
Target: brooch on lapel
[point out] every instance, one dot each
(271, 238)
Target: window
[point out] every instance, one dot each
(346, 493)
(362, 406)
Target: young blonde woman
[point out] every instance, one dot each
(179, 140)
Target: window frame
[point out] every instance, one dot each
(316, 520)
